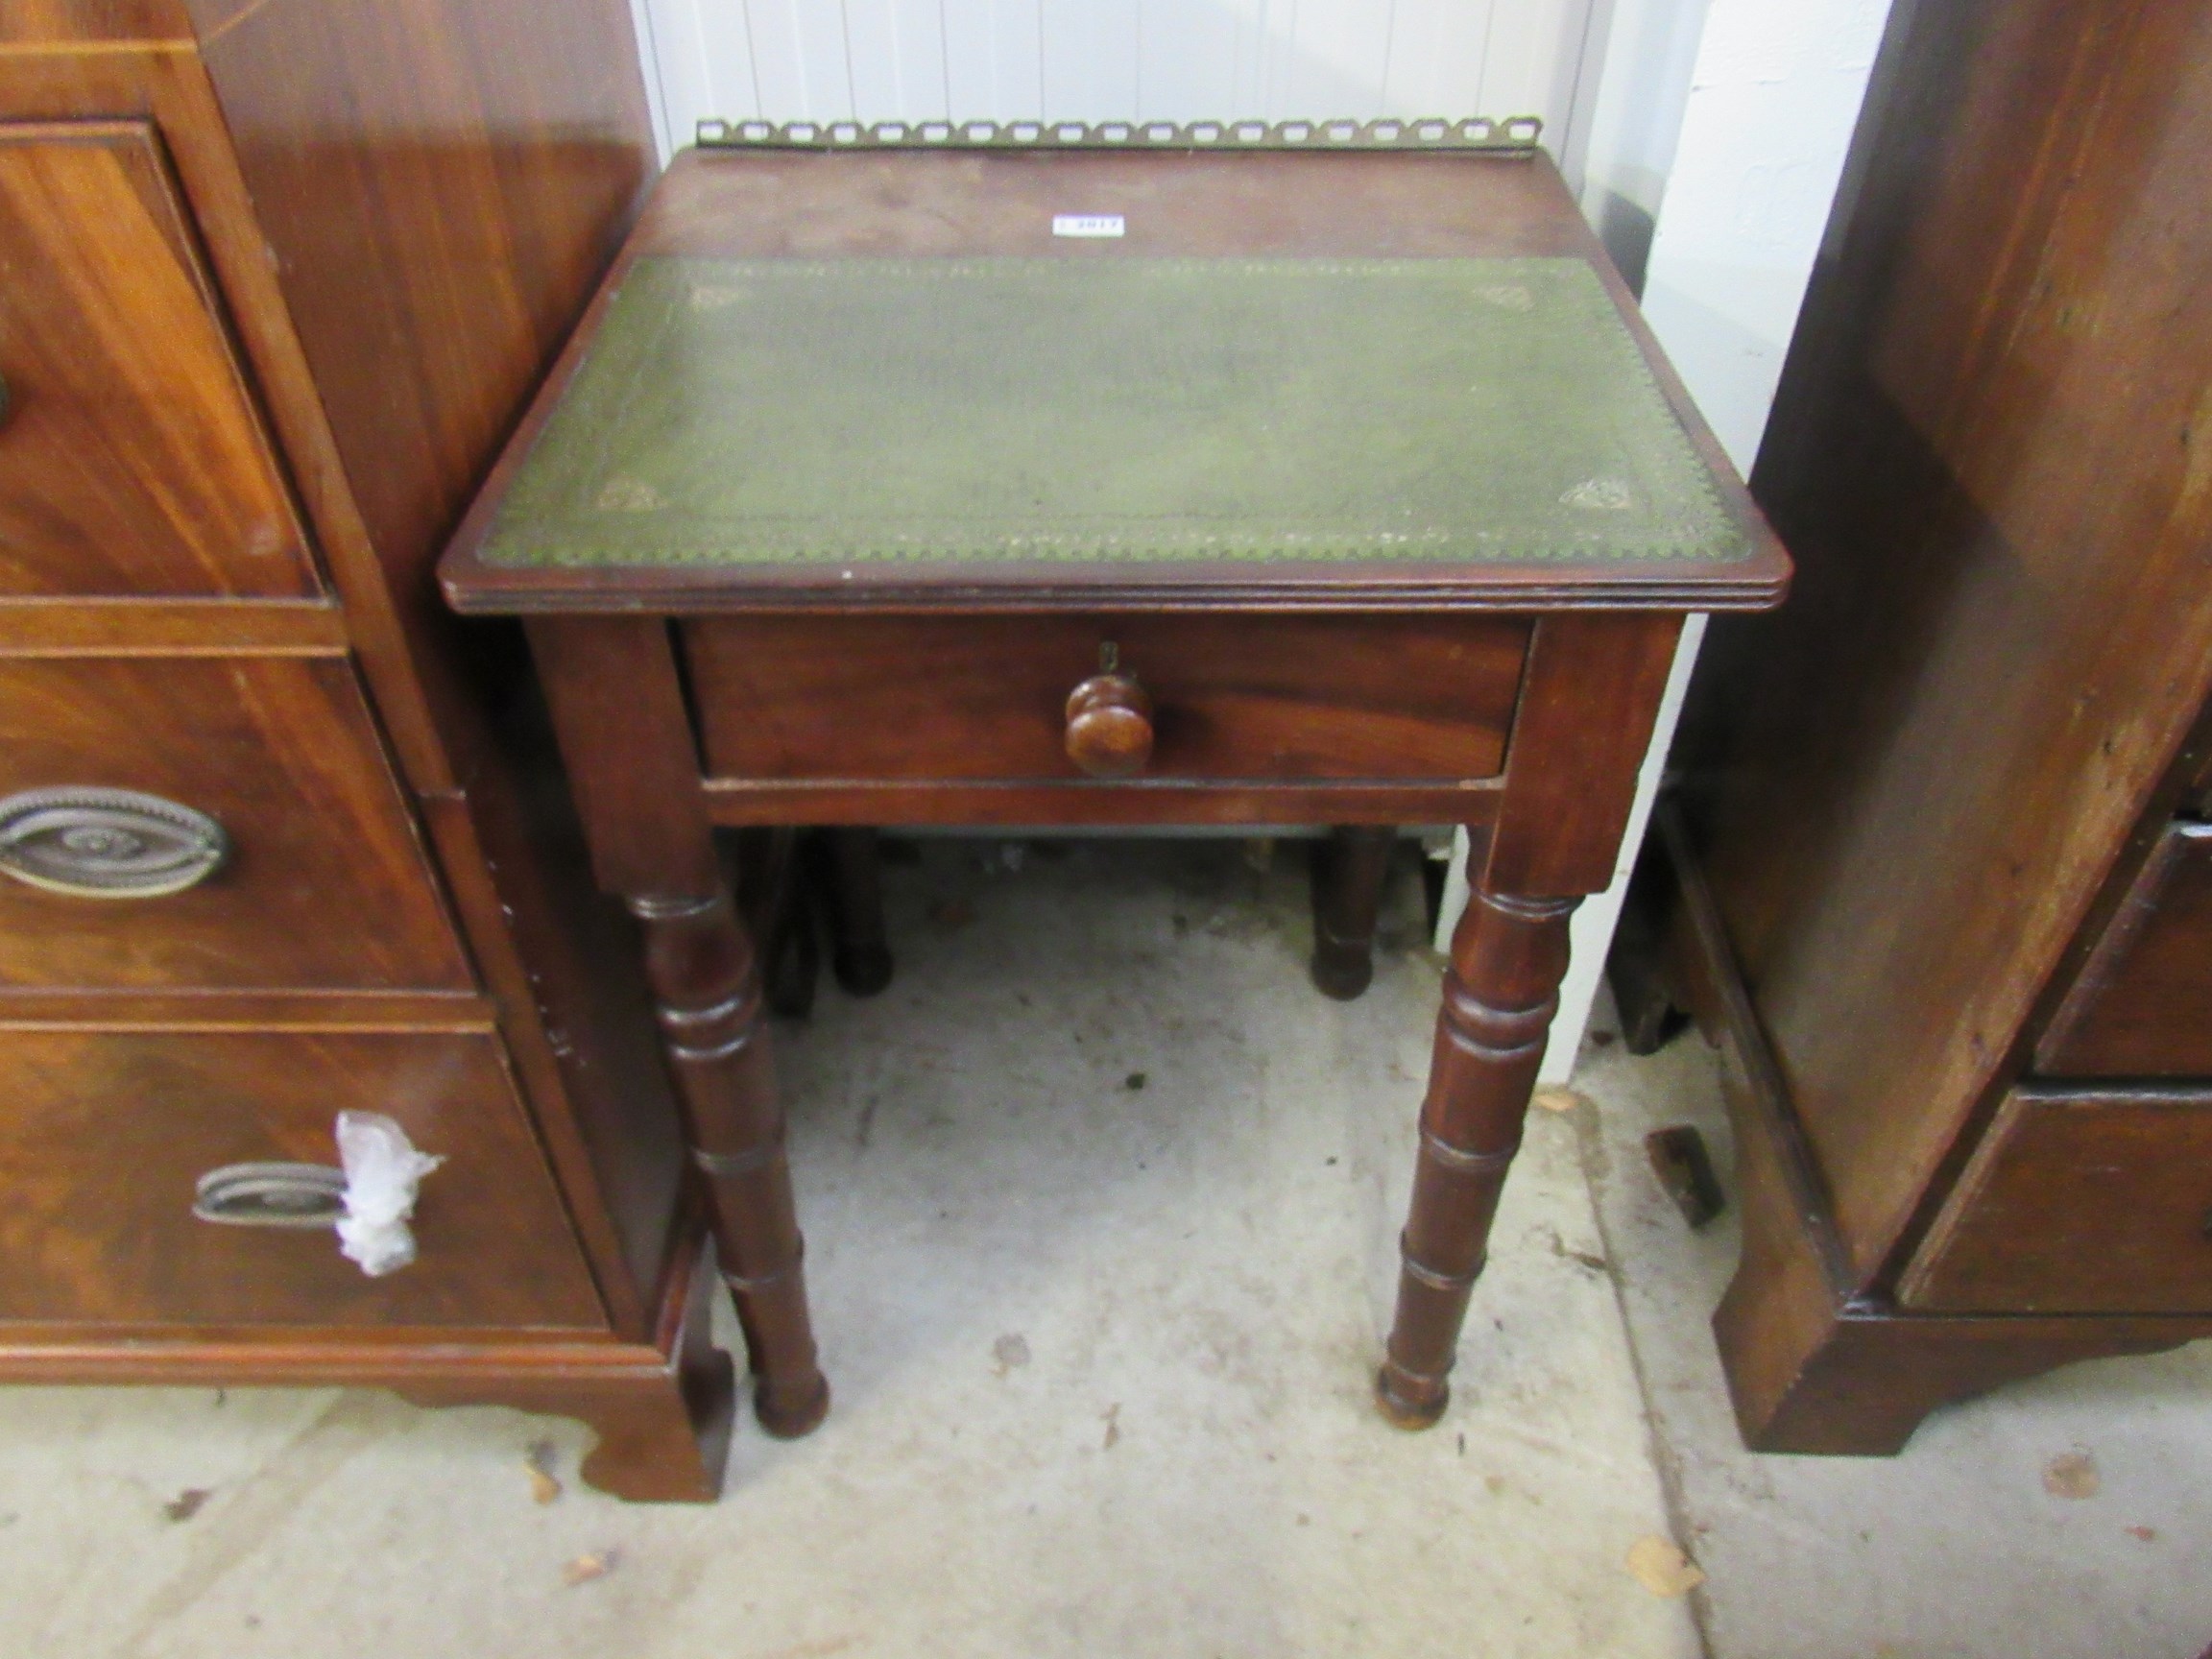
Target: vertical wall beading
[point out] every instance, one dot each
(1114, 60)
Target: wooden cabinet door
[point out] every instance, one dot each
(131, 459)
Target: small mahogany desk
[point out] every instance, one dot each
(1339, 489)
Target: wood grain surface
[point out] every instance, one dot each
(131, 458)
(72, 627)
(60, 24)
(444, 181)
(2142, 1004)
(1813, 1365)
(107, 1133)
(1584, 720)
(440, 184)
(573, 1008)
(1988, 455)
(326, 885)
(384, 216)
(948, 699)
(2082, 1202)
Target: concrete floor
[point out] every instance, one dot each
(1101, 1201)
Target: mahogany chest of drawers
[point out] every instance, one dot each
(278, 278)
(1941, 828)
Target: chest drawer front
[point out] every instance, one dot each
(323, 884)
(106, 1134)
(1249, 699)
(2142, 1005)
(131, 458)
(2078, 1203)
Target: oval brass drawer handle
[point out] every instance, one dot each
(368, 1200)
(272, 1195)
(94, 843)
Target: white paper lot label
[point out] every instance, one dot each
(1088, 225)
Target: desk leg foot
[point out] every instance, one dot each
(1500, 992)
(791, 1413)
(707, 993)
(1348, 867)
(1409, 1403)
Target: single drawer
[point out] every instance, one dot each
(131, 460)
(2078, 1203)
(105, 1136)
(2142, 1005)
(318, 880)
(1249, 699)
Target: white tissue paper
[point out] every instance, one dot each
(382, 1173)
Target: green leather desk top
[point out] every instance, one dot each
(752, 412)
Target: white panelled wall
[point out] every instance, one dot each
(1705, 139)
(1112, 60)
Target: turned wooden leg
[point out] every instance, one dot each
(859, 946)
(706, 995)
(1589, 696)
(1348, 867)
(1507, 956)
(619, 709)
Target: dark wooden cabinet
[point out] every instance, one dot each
(275, 280)
(1944, 893)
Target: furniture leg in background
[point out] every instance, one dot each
(853, 893)
(784, 876)
(771, 882)
(624, 734)
(1349, 867)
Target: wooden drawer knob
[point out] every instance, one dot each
(1109, 726)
